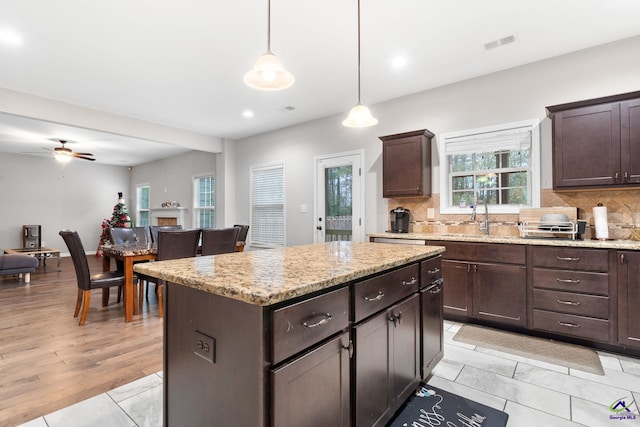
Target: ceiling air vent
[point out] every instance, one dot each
(500, 42)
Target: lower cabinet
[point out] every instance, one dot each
(386, 365)
(313, 390)
(628, 298)
(458, 294)
(432, 321)
(500, 293)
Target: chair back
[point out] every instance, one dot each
(242, 234)
(219, 240)
(155, 228)
(177, 244)
(129, 235)
(80, 263)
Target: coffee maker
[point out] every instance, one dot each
(399, 220)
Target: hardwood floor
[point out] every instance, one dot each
(48, 362)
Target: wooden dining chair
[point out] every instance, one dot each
(87, 281)
(171, 245)
(219, 240)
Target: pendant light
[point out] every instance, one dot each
(268, 73)
(359, 116)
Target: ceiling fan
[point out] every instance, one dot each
(65, 154)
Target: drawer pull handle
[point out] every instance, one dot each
(567, 258)
(321, 322)
(435, 289)
(568, 302)
(434, 271)
(567, 280)
(376, 298)
(396, 319)
(570, 325)
(413, 281)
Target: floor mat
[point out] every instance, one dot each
(430, 406)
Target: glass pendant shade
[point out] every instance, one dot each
(359, 117)
(62, 157)
(268, 74)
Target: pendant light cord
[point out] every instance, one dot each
(359, 102)
(269, 26)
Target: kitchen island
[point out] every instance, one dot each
(326, 334)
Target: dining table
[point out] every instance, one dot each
(128, 254)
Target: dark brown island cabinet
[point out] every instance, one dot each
(628, 263)
(596, 142)
(406, 164)
(348, 354)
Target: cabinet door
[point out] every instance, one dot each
(313, 390)
(403, 167)
(386, 362)
(586, 146)
(457, 293)
(499, 293)
(630, 141)
(628, 297)
(432, 332)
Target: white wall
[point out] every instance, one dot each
(172, 179)
(513, 95)
(39, 190)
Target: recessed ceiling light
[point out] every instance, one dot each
(399, 62)
(10, 37)
(247, 113)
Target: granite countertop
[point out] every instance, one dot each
(606, 244)
(270, 276)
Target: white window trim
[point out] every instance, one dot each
(138, 210)
(280, 164)
(534, 127)
(194, 197)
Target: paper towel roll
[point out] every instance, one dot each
(600, 221)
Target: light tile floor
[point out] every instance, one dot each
(533, 393)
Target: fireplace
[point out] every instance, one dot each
(168, 216)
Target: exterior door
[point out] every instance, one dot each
(339, 198)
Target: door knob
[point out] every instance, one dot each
(318, 227)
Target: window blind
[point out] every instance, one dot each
(489, 142)
(267, 206)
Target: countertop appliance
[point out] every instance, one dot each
(399, 218)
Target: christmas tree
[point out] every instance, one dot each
(119, 218)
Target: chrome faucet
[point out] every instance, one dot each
(484, 226)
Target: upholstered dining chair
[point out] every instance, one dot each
(242, 236)
(219, 240)
(155, 228)
(171, 245)
(129, 235)
(86, 281)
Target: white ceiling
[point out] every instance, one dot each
(181, 64)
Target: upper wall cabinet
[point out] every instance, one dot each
(406, 164)
(596, 143)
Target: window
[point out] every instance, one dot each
(204, 197)
(498, 165)
(143, 214)
(267, 205)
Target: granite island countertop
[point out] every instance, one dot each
(269, 276)
(632, 245)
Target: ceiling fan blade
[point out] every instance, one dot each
(77, 156)
(83, 154)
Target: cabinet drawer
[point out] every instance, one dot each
(567, 302)
(569, 324)
(301, 325)
(570, 280)
(571, 258)
(430, 271)
(483, 252)
(381, 291)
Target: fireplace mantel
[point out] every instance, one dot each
(178, 213)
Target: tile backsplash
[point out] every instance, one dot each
(623, 213)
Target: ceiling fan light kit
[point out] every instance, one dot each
(359, 116)
(268, 73)
(64, 154)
